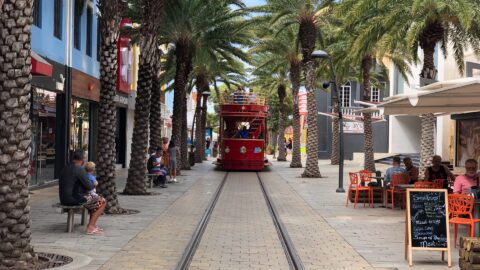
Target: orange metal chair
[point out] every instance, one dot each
(460, 208)
(355, 185)
(365, 178)
(424, 185)
(398, 179)
(439, 183)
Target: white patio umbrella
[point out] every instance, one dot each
(454, 96)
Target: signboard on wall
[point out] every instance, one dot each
(353, 127)
(302, 103)
(468, 140)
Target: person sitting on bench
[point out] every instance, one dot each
(74, 189)
(154, 166)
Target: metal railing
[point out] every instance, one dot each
(352, 111)
(242, 99)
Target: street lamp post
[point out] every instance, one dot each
(324, 55)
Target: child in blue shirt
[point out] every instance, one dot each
(90, 168)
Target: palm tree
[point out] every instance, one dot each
(427, 24)
(308, 15)
(193, 26)
(109, 23)
(271, 77)
(283, 47)
(16, 252)
(366, 49)
(150, 10)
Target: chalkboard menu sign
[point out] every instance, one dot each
(427, 220)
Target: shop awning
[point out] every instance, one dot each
(40, 66)
(454, 96)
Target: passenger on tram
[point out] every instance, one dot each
(244, 133)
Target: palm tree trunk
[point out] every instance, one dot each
(295, 80)
(183, 68)
(369, 161)
(307, 36)
(16, 252)
(430, 36)
(156, 108)
(107, 116)
(281, 125)
(185, 165)
(427, 146)
(136, 184)
(311, 168)
(203, 126)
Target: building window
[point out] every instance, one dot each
(399, 82)
(99, 44)
(57, 18)
(89, 30)
(77, 24)
(37, 13)
(374, 94)
(345, 93)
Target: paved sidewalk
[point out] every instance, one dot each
(318, 245)
(377, 234)
(161, 244)
(49, 226)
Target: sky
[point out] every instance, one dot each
(251, 3)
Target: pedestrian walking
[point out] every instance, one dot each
(172, 152)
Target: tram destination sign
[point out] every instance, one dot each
(427, 221)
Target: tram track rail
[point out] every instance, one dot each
(291, 254)
(192, 245)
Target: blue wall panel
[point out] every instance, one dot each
(43, 41)
(80, 60)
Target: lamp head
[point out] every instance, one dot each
(320, 54)
(326, 84)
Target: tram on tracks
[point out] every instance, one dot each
(243, 132)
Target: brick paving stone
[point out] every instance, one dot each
(375, 233)
(161, 244)
(241, 233)
(48, 225)
(318, 245)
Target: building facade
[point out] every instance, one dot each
(353, 130)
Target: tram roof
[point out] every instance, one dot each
(240, 98)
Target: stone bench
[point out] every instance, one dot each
(71, 210)
(150, 178)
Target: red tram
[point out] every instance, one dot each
(243, 133)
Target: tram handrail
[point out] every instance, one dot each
(242, 99)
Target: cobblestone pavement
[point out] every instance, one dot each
(318, 245)
(327, 235)
(241, 233)
(49, 226)
(376, 234)
(161, 244)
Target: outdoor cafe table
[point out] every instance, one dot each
(384, 189)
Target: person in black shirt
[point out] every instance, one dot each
(74, 189)
(438, 171)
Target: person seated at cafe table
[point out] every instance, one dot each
(395, 169)
(438, 171)
(464, 183)
(412, 171)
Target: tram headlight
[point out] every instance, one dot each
(227, 150)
